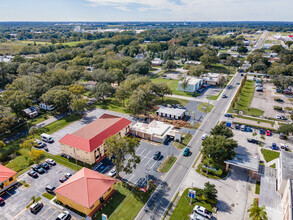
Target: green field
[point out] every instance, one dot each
(270, 155)
(205, 107)
(184, 208)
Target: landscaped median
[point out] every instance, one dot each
(167, 164)
(185, 139)
(205, 107)
(270, 155)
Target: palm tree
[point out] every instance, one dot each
(256, 212)
(184, 82)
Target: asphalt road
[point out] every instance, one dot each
(165, 192)
(261, 40)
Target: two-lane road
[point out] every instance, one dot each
(165, 192)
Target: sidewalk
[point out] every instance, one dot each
(50, 120)
(197, 99)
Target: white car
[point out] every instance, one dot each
(112, 172)
(50, 161)
(67, 175)
(195, 216)
(202, 211)
(64, 215)
(204, 136)
(278, 117)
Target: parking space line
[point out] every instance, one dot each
(154, 164)
(148, 162)
(142, 152)
(145, 156)
(45, 211)
(52, 214)
(20, 213)
(8, 193)
(2, 193)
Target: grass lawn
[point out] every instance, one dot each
(184, 208)
(167, 164)
(185, 140)
(48, 195)
(215, 97)
(257, 119)
(173, 85)
(220, 68)
(125, 203)
(255, 112)
(205, 107)
(270, 155)
(65, 162)
(257, 187)
(112, 104)
(19, 163)
(273, 166)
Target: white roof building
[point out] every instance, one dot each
(193, 84)
(172, 113)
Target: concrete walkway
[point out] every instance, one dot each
(50, 120)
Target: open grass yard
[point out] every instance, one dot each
(270, 155)
(125, 203)
(167, 164)
(220, 68)
(185, 140)
(184, 208)
(173, 85)
(205, 107)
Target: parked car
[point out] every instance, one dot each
(68, 175)
(157, 155)
(224, 96)
(268, 133)
(64, 216)
(248, 129)
(242, 127)
(45, 165)
(38, 169)
(282, 136)
(204, 136)
(252, 141)
(274, 146)
(202, 211)
(284, 147)
(228, 115)
(50, 161)
(62, 179)
(65, 155)
(237, 126)
(2, 201)
(278, 117)
(283, 117)
(262, 131)
(32, 174)
(279, 100)
(164, 105)
(36, 207)
(39, 144)
(50, 189)
(196, 216)
(47, 138)
(186, 151)
(112, 172)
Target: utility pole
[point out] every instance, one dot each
(147, 171)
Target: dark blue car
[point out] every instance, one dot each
(262, 131)
(274, 146)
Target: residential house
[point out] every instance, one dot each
(171, 113)
(87, 144)
(90, 84)
(139, 56)
(86, 191)
(157, 62)
(193, 84)
(31, 112)
(46, 106)
(7, 178)
(155, 131)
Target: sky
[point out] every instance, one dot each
(146, 10)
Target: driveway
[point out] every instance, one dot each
(18, 197)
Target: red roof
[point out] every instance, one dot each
(85, 187)
(290, 35)
(93, 135)
(5, 173)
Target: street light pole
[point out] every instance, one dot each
(147, 176)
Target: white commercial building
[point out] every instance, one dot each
(171, 113)
(155, 131)
(192, 85)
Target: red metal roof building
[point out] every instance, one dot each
(86, 144)
(7, 178)
(86, 190)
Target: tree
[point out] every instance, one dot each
(222, 80)
(137, 102)
(36, 154)
(2, 144)
(58, 97)
(27, 144)
(101, 90)
(33, 130)
(259, 67)
(17, 100)
(78, 104)
(277, 48)
(219, 148)
(184, 82)
(120, 148)
(286, 129)
(256, 212)
(76, 89)
(223, 130)
(210, 191)
(170, 65)
(162, 89)
(207, 60)
(7, 119)
(141, 67)
(196, 71)
(242, 49)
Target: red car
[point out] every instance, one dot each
(1, 201)
(268, 133)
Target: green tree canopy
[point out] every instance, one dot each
(256, 212)
(223, 130)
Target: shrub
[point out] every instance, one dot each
(254, 134)
(279, 108)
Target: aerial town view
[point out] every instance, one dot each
(146, 110)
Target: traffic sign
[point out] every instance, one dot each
(191, 194)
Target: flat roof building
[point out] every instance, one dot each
(193, 84)
(171, 113)
(155, 131)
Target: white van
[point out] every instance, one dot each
(47, 138)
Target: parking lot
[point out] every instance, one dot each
(265, 101)
(18, 197)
